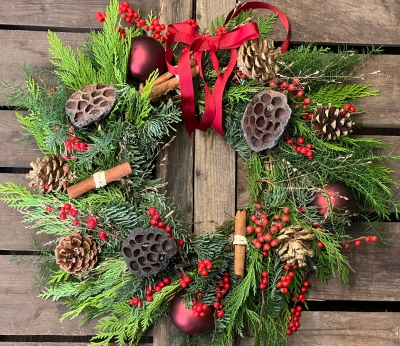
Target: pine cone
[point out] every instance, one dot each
(48, 174)
(257, 59)
(330, 123)
(92, 103)
(76, 253)
(293, 244)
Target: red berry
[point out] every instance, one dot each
(305, 284)
(300, 140)
(48, 209)
(357, 242)
(181, 243)
(249, 229)
(300, 93)
(289, 332)
(186, 279)
(220, 313)
(374, 238)
(286, 210)
(168, 229)
(218, 295)
(263, 287)
(103, 235)
(149, 298)
(291, 88)
(67, 206)
(285, 218)
(167, 281)
(274, 243)
(46, 186)
(62, 216)
(91, 222)
(204, 272)
(320, 245)
(75, 222)
(352, 109)
(151, 211)
(272, 84)
(307, 101)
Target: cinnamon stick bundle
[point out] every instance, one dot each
(240, 250)
(88, 184)
(168, 81)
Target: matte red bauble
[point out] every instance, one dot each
(186, 322)
(147, 54)
(338, 195)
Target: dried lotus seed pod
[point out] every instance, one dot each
(265, 119)
(91, 103)
(148, 251)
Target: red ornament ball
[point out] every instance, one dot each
(337, 195)
(185, 321)
(147, 54)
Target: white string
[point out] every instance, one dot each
(239, 240)
(100, 179)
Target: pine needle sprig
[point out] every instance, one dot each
(339, 94)
(266, 24)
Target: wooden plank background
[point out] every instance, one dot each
(204, 174)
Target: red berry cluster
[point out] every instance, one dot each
(292, 86)
(284, 283)
(157, 222)
(149, 292)
(100, 16)
(68, 211)
(184, 282)
(264, 280)
(300, 146)
(131, 16)
(357, 242)
(224, 284)
(237, 75)
(204, 267)
(294, 317)
(221, 30)
(199, 307)
(264, 240)
(74, 143)
(349, 107)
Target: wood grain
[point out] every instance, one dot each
(214, 178)
(178, 167)
(343, 21)
(69, 14)
(343, 328)
(22, 313)
(17, 151)
(31, 49)
(14, 236)
(377, 276)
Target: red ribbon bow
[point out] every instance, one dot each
(184, 33)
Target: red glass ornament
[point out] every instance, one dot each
(185, 321)
(341, 198)
(147, 54)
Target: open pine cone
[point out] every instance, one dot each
(257, 59)
(48, 174)
(76, 253)
(330, 123)
(92, 103)
(294, 245)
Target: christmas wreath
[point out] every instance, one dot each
(121, 251)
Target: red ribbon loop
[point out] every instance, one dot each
(184, 33)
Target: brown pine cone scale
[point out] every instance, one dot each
(76, 253)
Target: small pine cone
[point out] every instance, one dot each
(48, 174)
(257, 59)
(76, 253)
(330, 123)
(294, 245)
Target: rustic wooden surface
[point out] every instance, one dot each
(204, 174)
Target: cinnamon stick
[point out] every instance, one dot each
(240, 250)
(168, 85)
(88, 184)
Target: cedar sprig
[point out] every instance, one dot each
(266, 24)
(339, 94)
